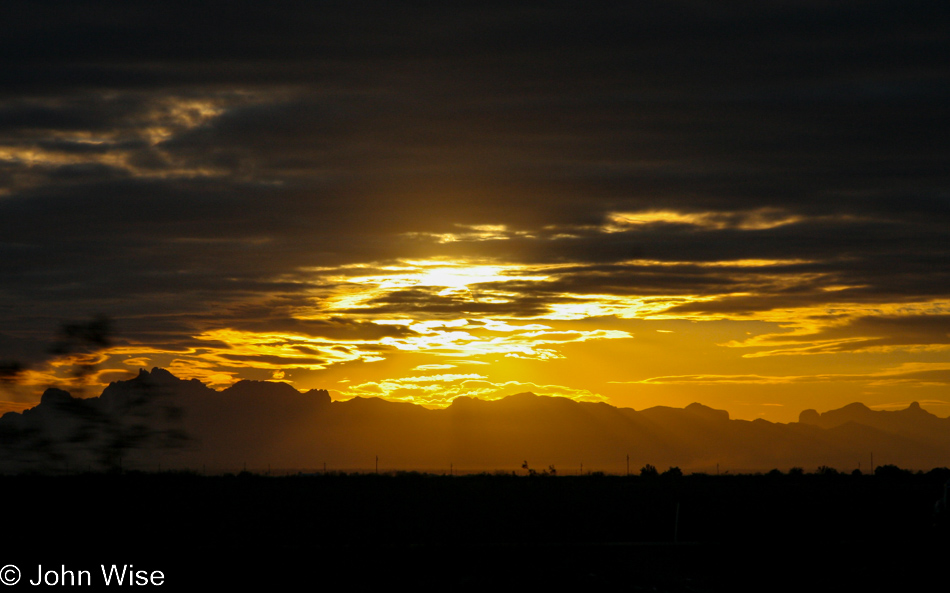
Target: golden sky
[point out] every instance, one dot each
(645, 208)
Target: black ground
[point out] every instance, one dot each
(691, 533)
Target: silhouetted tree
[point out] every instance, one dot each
(673, 472)
(648, 471)
(530, 471)
(107, 429)
(891, 472)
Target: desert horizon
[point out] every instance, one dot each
(565, 241)
(157, 420)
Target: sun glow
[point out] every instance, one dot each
(451, 274)
(403, 329)
(468, 280)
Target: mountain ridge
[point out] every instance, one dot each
(272, 424)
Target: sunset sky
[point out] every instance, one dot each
(742, 204)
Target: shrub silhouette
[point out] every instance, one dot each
(106, 429)
(891, 472)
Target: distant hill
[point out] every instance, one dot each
(159, 421)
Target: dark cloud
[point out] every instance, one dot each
(334, 328)
(881, 332)
(274, 360)
(430, 301)
(187, 159)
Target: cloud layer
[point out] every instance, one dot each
(249, 189)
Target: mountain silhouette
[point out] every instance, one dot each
(260, 424)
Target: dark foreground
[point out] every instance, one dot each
(692, 533)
